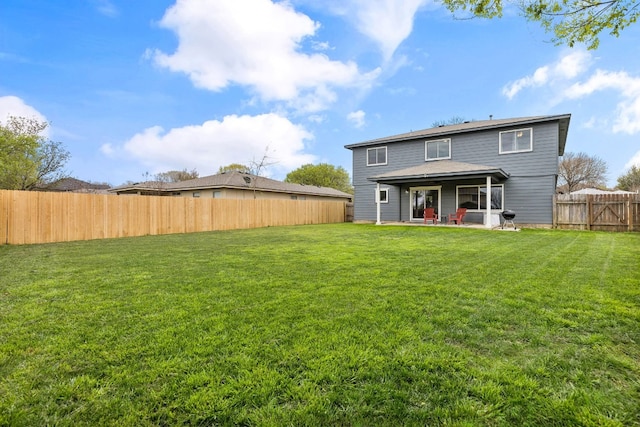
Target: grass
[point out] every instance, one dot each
(323, 325)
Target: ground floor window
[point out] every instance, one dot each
(383, 196)
(474, 197)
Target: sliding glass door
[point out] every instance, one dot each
(424, 197)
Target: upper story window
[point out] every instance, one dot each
(516, 141)
(376, 156)
(438, 149)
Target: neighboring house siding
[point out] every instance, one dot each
(528, 191)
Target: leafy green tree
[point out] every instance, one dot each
(323, 175)
(27, 159)
(571, 21)
(235, 167)
(631, 180)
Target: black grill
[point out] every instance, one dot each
(508, 216)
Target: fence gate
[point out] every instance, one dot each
(605, 212)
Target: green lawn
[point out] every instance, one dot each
(323, 325)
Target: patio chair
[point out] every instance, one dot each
(430, 215)
(458, 216)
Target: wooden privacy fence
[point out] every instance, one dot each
(605, 212)
(44, 217)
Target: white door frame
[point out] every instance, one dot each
(438, 188)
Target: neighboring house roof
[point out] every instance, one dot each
(73, 184)
(474, 126)
(442, 169)
(596, 191)
(234, 180)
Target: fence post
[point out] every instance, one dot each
(4, 215)
(589, 211)
(629, 216)
(554, 219)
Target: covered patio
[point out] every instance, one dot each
(430, 183)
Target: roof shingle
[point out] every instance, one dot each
(473, 126)
(237, 180)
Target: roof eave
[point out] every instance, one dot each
(230, 187)
(563, 130)
(497, 174)
(444, 132)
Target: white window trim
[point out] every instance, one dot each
(386, 156)
(478, 186)
(516, 151)
(427, 159)
(377, 195)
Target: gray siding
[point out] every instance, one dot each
(528, 191)
(364, 208)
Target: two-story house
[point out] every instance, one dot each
(485, 166)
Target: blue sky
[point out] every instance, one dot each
(146, 86)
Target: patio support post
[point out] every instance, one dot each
(487, 221)
(378, 203)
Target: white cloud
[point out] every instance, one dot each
(573, 64)
(567, 67)
(538, 78)
(357, 118)
(387, 22)
(14, 106)
(316, 118)
(106, 8)
(591, 123)
(235, 139)
(320, 46)
(596, 122)
(634, 161)
(257, 44)
(628, 109)
(559, 77)
(107, 150)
